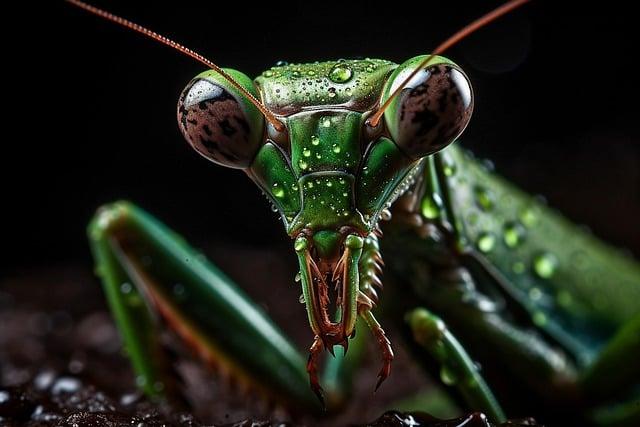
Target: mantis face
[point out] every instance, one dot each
(327, 171)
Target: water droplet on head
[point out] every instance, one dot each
(545, 265)
(315, 140)
(340, 73)
(302, 164)
(277, 190)
(486, 242)
(336, 148)
(306, 152)
(281, 63)
(268, 73)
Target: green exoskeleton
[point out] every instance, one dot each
(340, 147)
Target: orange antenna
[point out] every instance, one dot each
(271, 118)
(464, 32)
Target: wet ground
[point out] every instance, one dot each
(61, 362)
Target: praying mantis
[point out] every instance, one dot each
(344, 151)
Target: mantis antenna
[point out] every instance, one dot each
(463, 33)
(271, 118)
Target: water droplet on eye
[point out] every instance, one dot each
(447, 376)
(268, 73)
(513, 234)
(306, 152)
(277, 190)
(340, 73)
(315, 140)
(302, 164)
(486, 242)
(545, 265)
(484, 200)
(325, 122)
(336, 148)
(332, 92)
(431, 206)
(528, 217)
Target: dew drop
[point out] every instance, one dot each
(306, 152)
(336, 148)
(340, 73)
(528, 217)
(545, 265)
(325, 122)
(298, 277)
(535, 294)
(518, 267)
(301, 299)
(268, 73)
(126, 288)
(281, 63)
(302, 164)
(486, 242)
(278, 191)
(539, 318)
(484, 200)
(448, 166)
(332, 92)
(431, 206)
(447, 376)
(315, 140)
(513, 234)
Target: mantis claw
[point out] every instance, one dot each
(312, 369)
(383, 343)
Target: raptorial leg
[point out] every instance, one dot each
(153, 278)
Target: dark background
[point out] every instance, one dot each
(91, 110)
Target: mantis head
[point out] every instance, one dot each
(326, 168)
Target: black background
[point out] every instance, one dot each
(91, 110)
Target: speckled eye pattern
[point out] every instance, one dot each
(213, 121)
(433, 112)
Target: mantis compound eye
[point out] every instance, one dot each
(218, 121)
(433, 108)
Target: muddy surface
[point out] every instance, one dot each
(61, 362)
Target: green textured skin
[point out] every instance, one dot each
(593, 290)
